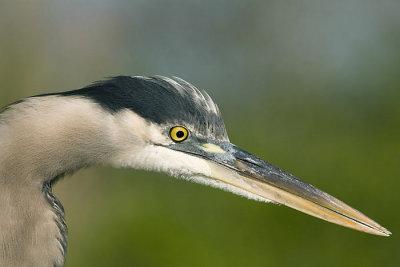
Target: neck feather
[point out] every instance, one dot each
(42, 139)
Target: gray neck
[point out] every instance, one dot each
(42, 139)
(32, 227)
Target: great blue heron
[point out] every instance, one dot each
(152, 123)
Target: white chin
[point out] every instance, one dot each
(226, 187)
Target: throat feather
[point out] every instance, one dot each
(58, 210)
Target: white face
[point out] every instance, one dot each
(144, 146)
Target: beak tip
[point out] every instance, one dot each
(379, 230)
(386, 232)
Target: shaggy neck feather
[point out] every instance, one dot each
(40, 140)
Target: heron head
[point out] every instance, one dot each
(167, 125)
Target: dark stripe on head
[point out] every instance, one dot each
(158, 99)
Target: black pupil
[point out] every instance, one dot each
(180, 134)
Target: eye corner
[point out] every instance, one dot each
(178, 133)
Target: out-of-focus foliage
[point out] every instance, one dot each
(311, 86)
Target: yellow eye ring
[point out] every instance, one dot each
(178, 133)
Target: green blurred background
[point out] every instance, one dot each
(311, 86)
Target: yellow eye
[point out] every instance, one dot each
(178, 133)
